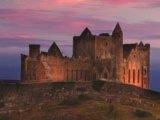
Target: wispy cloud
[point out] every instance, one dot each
(37, 24)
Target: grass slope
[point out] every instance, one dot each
(84, 109)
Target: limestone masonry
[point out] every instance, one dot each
(102, 57)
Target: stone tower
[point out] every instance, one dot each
(84, 45)
(117, 36)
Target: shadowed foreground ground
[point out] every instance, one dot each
(85, 110)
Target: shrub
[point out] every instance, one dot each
(98, 84)
(81, 89)
(1, 101)
(111, 111)
(141, 113)
(1, 104)
(70, 86)
(70, 101)
(4, 118)
(50, 108)
(111, 108)
(18, 86)
(59, 85)
(66, 85)
(83, 97)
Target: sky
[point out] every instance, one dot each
(24, 22)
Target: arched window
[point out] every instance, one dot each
(76, 74)
(124, 73)
(81, 74)
(138, 75)
(67, 74)
(106, 44)
(105, 75)
(86, 74)
(72, 74)
(133, 75)
(94, 76)
(129, 74)
(124, 79)
(145, 71)
(142, 73)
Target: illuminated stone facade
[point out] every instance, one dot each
(95, 57)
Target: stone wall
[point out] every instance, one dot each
(137, 65)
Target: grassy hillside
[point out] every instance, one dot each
(84, 108)
(96, 100)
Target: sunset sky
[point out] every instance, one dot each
(44, 21)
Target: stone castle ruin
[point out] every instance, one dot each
(95, 57)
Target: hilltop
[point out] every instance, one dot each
(97, 100)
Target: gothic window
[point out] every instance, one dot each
(142, 74)
(145, 81)
(106, 44)
(138, 75)
(81, 74)
(134, 76)
(124, 74)
(134, 55)
(76, 74)
(124, 79)
(106, 53)
(67, 74)
(145, 71)
(105, 76)
(129, 76)
(86, 73)
(72, 74)
(94, 76)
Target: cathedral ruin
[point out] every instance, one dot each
(95, 57)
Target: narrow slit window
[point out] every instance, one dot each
(133, 76)
(129, 74)
(138, 75)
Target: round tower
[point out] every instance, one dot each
(117, 36)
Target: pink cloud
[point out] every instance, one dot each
(34, 23)
(131, 2)
(46, 4)
(13, 35)
(118, 2)
(63, 4)
(40, 21)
